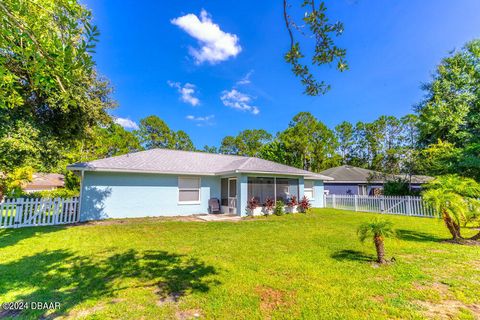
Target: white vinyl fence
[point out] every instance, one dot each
(408, 206)
(19, 212)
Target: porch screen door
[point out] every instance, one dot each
(232, 195)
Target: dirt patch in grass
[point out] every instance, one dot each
(166, 296)
(378, 298)
(441, 288)
(476, 264)
(188, 314)
(85, 312)
(116, 300)
(447, 309)
(272, 299)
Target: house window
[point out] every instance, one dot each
(189, 190)
(261, 189)
(286, 188)
(362, 190)
(308, 189)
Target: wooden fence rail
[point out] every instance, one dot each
(408, 206)
(20, 212)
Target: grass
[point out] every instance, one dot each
(293, 266)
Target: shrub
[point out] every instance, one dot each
(57, 193)
(268, 205)
(292, 202)
(304, 205)
(398, 187)
(252, 204)
(278, 210)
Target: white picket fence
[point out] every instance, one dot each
(20, 212)
(408, 206)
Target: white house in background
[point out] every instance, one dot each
(161, 182)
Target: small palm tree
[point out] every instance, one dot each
(378, 229)
(455, 200)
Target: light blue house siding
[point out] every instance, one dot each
(318, 191)
(133, 195)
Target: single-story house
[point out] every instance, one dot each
(350, 180)
(161, 182)
(45, 182)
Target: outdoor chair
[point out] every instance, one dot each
(214, 205)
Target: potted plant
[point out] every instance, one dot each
(268, 206)
(304, 205)
(292, 204)
(279, 208)
(253, 207)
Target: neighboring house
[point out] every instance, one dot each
(161, 182)
(358, 181)
(45, 182)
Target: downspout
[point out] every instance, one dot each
(80, 196)
(275, 189)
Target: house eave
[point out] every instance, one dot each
(93, 169)
(90, 169)
(307, 176)
(365, 182)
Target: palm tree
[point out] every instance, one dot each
(378, 229)
(455, 200)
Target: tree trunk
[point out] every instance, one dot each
(452, 226)
(476, 237)
(380, 249)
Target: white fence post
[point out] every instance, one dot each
(356, 202)
(334, 204)
(409, 205)
(18, 213)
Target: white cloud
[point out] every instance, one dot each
(238, 100)
(187, 92)
(126, 123)
(202, 121)
(215, 44)
(246, 79)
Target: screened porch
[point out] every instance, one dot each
(263, 188)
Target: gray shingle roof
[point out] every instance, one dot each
(347, 173)
(46, 180)
(187, 162)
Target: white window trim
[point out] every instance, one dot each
(199, 201)
(312, 188)
(361, 188)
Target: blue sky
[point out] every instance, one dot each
(218, 72)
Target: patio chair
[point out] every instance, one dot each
(214, 205)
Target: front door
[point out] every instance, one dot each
(232, 195)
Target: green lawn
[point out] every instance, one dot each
(294, 266)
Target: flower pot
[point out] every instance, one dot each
(266, 211)
(255, 212)
(292, 209)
